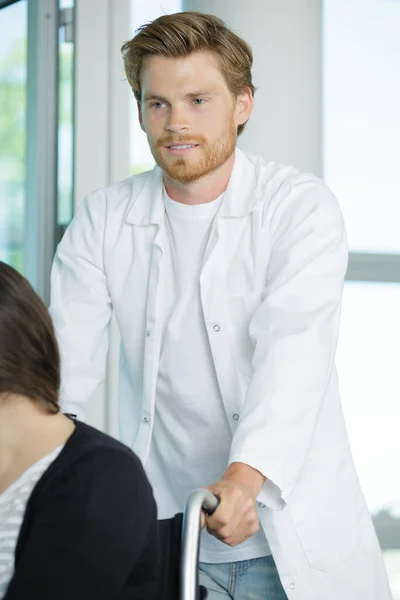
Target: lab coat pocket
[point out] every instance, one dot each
(329, 516)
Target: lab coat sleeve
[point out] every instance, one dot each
(81, 305)
(294, 332)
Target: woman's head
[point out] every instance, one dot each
(29, 356)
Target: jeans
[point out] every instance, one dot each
(255, 579)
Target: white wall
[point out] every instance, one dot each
(285, 36)
(102, 145)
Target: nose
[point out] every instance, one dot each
(177, 120)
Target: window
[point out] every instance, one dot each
(13, 74)
(36, 172)
(65, 199)
(362, 124)
(361, 129)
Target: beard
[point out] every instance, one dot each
(185, 170)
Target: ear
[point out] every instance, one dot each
(244, 107)
(140, 116)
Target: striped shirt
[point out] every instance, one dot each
(13, 503)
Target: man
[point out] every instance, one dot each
(225, 274)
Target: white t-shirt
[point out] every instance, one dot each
(189, 410)
(12, 511)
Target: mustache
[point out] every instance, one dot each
(183, 139)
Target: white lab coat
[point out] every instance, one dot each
(271, 288)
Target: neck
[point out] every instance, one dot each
(27, 433)
(203, 190)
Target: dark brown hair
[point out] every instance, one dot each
(179, 35)
(29, 356)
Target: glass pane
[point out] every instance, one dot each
(65, 126)
(13, 37)
(142, 12)
(368, 359)
(362, 118)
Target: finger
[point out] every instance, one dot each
(202, 520)
(230, 516)
(227, 531)
(224, 514)
(221, 525)
(238, 536)
(242, 536)
(231, 531)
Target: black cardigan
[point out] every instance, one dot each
(90, 529)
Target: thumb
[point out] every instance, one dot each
(203, 521)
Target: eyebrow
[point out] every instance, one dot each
(152, 96)
(148, 97)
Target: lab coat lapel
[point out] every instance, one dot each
(147, 210)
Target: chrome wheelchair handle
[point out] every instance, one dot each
(189, 571)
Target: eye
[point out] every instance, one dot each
(157, 104)
(198, 101)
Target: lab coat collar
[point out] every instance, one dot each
(240, 198)
(240, 195)
(146, 203)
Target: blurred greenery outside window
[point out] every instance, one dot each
(13, 99)
(13, 44)
(65, 126)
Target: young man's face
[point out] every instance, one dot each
(189, 114)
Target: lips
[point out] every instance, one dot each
(181, 149)
(181, 146)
